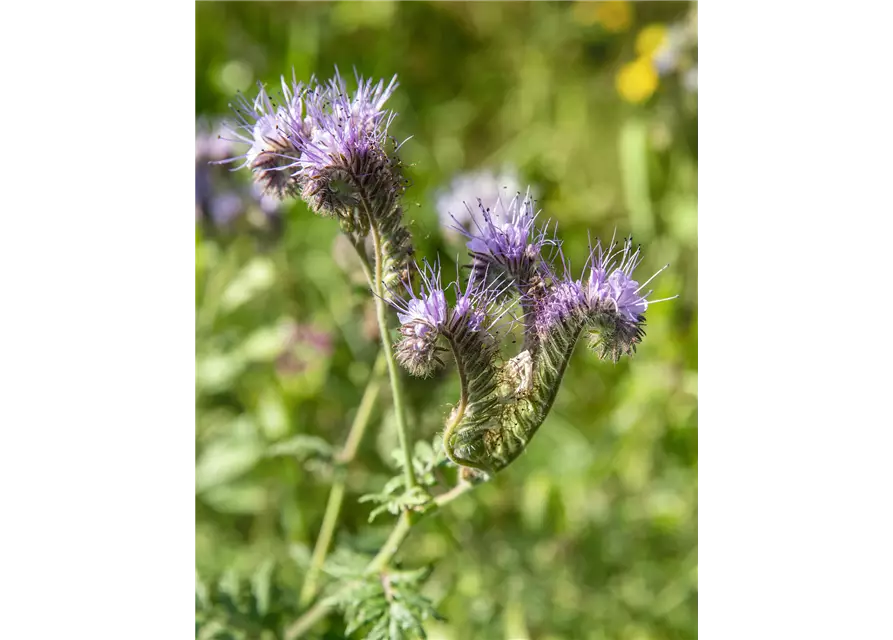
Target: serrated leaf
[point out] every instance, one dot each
(377, 511)
(394, 628)
(362, 618)
(425, 459)
(395, 503)
(389, 604)
(345, 563)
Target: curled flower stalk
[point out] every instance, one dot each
(465, 328)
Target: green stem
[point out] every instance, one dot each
(404, 525)
(378, 289)
(336, 495)
(377, 282)
(460, 408)
(326, 531)
(364, 411)
(391, 545)
(458, 413)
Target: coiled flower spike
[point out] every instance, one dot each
(465, 330)
(557, 309)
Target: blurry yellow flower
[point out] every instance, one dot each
(637, 80)
(650, 40)
(615, 16)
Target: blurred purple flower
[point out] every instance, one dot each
(221, 198)
(225, 208)
(458, 203)
(268, 204)
(678, 53)
(210, 145)
(302, 343)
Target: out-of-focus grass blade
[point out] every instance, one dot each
(634, 176)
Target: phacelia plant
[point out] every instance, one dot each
(330, 147)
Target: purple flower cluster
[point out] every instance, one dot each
(270, 132)
(319, 142)
(609, 299)
(425, 315)
(610, 286)
(507, 241)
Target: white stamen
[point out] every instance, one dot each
(652, 277)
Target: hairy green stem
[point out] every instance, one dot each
(391, 545)
(336, 495)
(404, 526)
(393, 371)
(376, 281)
(459, 411)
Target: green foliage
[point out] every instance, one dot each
(231, 608)
(396, 497)
(313, 453)
(387, 605)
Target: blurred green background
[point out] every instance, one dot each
(592, 533)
